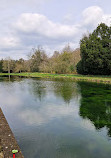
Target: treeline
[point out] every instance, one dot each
(61, 62)
(93, 57)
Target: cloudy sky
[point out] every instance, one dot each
(25, 24)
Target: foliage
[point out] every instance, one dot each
(65, 62)
(1, 65)
(96, 104)
(36, 58)
(60, 62)
(19, 66)
(8, 65)
(96, 52)
(79, 67)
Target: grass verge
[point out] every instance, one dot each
(98, 79)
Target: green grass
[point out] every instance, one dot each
(98, 79)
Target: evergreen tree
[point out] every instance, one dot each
(96, 52)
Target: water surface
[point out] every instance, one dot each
(58, 119)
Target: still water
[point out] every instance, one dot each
(58, 119)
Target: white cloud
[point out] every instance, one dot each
(41, 25)
(38, 117)
(87, 125)
(9, 42)
(92, 15)
(11, 101)
(32, 29)
(107, 19)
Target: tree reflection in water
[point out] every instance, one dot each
(38, 88)
(67, 90)
(96, 104)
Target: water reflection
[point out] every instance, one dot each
(38, 88)
(96, 105)
(50, 119)
(10, 78)
(62, 89)
(49, 105)
(66, 90)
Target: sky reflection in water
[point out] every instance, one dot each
(52, 119)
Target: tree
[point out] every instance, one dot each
(8, 65)
(75, 58)
(19, 66)
(1, 65)
(36, 59)
(44, 63)
(64, 62)
(96, 52)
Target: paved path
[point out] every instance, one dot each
(7, 139)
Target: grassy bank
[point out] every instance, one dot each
(98, 79)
